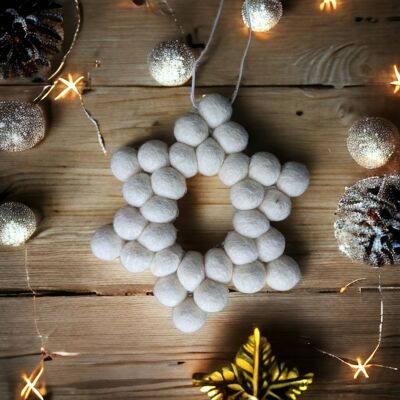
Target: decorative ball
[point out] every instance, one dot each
(234, 169)
(169, 291)
(106, 244)
(264, 168)
(17, 223)
(188, 317)
(135, 258)
(191, 270)
(247, 194)
(210, 157)
(22, 125)
(169, 183)
(183, 158)
(270, 245)
(261, 15)
(166, 261)
(159, 209)
(276, 205)
(232, 137)
(240, 249)
(294, 179)
(191, 129)
(170, 63)
(157, 237)
(129, 223)
(250, 223)
(124, 163)
(283, 273)
(249, 278)
(218, 266)
(137, 189)
(211, 296)
(215, 109)
(153, 155)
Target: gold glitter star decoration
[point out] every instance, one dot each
(34, 386)
(328, 5)
(396, 82)
(255, 374)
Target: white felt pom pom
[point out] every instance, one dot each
(294, 179)
(166, 261)
(218, 266)
(124, 163)
(249, 278)
(129, 223)
(232, 137)
(264, 168)
(234, 169)
(250, 223)
(168, 182)
(153, 155)
(191, 270)
(283, 273)
(157, 237)
(211, 296)
(240, 249)
(210, 157)
(106, 244)
(135, 257)
(276, 205)
(183, 158)
(159, 209)
(191, 129)
(215, 109)
(247, 194)
(270, 245)
(169, 291)
(188, 317)
(137, 189)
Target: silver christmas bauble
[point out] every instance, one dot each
(170, 63)
(17, 223)
(372, 141)
(22, 125)
(263, 14)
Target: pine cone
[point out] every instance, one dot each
(30, 34)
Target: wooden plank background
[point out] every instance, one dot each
(304, 83)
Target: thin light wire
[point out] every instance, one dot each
(166, 8)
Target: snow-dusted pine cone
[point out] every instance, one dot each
(30, 34)
(368, 224)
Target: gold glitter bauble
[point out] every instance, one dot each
(170, 63)
(264, 14)
(22, 125)
(17, 223)
(372, 141)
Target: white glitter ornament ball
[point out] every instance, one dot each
(157, 237)
(166, 261)
(250, 223)
(153, 155)
(159, 209)
(276, 205)
(215, 109)
(240, 249)
(170, 63)
(106, 244)
(129, 223)
(247, 194)
(22, 125)
(262, 15)
(270, 245)
(264, 168)
(124, 163)
(234, 169)
(218, 266)
(372, 141)
(249, 278)
(17, 223)
(191, 129)
(137, 189)
(191, 270)
(232, 137)
(283, 273)
(210, 157)
(294, 179)
(211, 296)
(169, 291)
(135, 258)
(188, 317)
(168, 182)
(183, 158)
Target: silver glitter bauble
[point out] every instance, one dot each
(368, 224)
(17, 223)
(264, 14)
(22, 125)
(170, 63)
(372, 141)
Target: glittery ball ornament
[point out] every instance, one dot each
(263, 14)
(372, 141)
(170, 63)
(22, 125)
(368, 225)
(17, 223)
